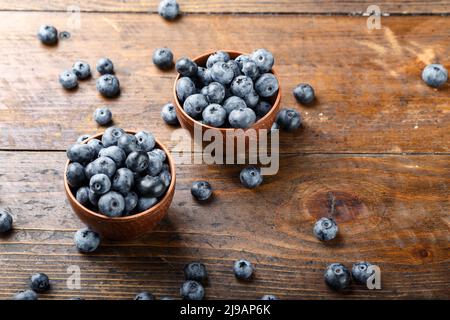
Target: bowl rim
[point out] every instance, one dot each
(196, 123)
(149, 211)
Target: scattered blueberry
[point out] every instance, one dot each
(337, 276)
(108, 85)
(243, 269)
(186, 67)
(105, 66)
(48, 35)
(100, 183)
(75, 175)
(26, 295)
(144, 296)
(169, 114)
(242, 118)
(163, 58)
(360, 272)
(325, 229)
(201, 190)
(304, 93)
(185, 88)
(68, 79)
(214, 115)
(251, 177)
(145, 140)
(40, 282)
(81, 69)
(168, 9)
(86, 240)
(195, 271)
(102, 116)
(194, 105)
(192, 290)
(435, 75)
(111, 204)
(289, 119)
(219, 56)
(6, 221)
(263, 59)
(266, 85)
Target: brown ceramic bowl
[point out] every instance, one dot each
(188, 123)
(124, 228)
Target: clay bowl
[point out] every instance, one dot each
(130, 227)
(189, 123)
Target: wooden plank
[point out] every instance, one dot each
(237, 6)
(392, 211)
(371, 98)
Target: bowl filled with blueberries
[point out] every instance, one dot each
(227, 90)
(120, 183)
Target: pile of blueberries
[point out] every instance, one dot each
(120, 175)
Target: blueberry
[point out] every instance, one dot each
(165, 177)
(250, 69)
(337, 276)
(195, 271)
(81, 69)
(186, 67)
(243, 269)
(102, 116)
(131, 202)
(262, 108)
(155, 163)
(266, 85)
(194, 105)
(149, 186)
(242, 86)
(269, 297)
(204, 76)
(252, 99)
(115, 153)
(81, 153)
(360, 272)
(40, 282)
(251, 177)
(214, 115)
(123, 180)
(221, 72)
(96, 145)
(75, 175)
(263, 59)
(201, 190)
(6, 221)
(304, 93)
(215, 92)
(105, 66)
(100, 183)
(192, 290)
(83, 138)
(233, 103)
(241, 60)
(108, 85)
(242, 118)
(185, 88)
(82, 196)
(145, 203)
(48, 35)
(26, 295)
(128, 143)
(103, 165)
(235, 67)
(93, 198)
(137, 161)
(435, 75)
(219, 56)
(163, 58)
(68, 79)
(145, 140)
(289, 119)
(111, 136)
(325, 229)
(86, 240)
(169, 114)
(168, 9)
(144, 296)
(111, 204)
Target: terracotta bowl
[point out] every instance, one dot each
(188, 123)
(130, 227)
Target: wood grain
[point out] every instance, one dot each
(392, 211)
(371, 98)
(238, 6)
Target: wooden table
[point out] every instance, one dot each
(374, 151)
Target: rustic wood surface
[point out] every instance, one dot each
(374, 150)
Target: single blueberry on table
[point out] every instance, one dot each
(86, 240)
(262, 108)
(201, 190)
(192, 290)
(145, 140)
(111, 204)
(26, 295)
(169, 114)
(82, 70)
(241, 60)
(360, 272)
(204, 76)
(68, 80)
(337, 276)
(185, 88)
(159, 152)
(214, 115)
(288, 119)
(6, 221)
(168, 9)
(144, 296)
(81, 153)
(123, 181)
(263, 59)
(221, 72)
(234, 103)
(104, 165)
(82, 196)
(269, 297)
(325, 229)
(102, 116)
(108, 85)
(219, 56)
(111, 136)
(435, 75)
(186, 67)
(155, 163)
(304, 93)
(266, 85)
(194, 105)
(75, 175)
(242, 118)
(243, 269)
(40, 282)
(151, 187)
(195, 271)
(241, 86)
(251, 177)
(83, 138)
(48, 35)
(96, 145)
(252, 99)
(163, 58)
(128, 143)
(145, 203)
(215, 92)
(100, 183)
(250, 69)
(137, 161)
(105, 66)
(131, 202)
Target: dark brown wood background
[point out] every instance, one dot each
(374, 150)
